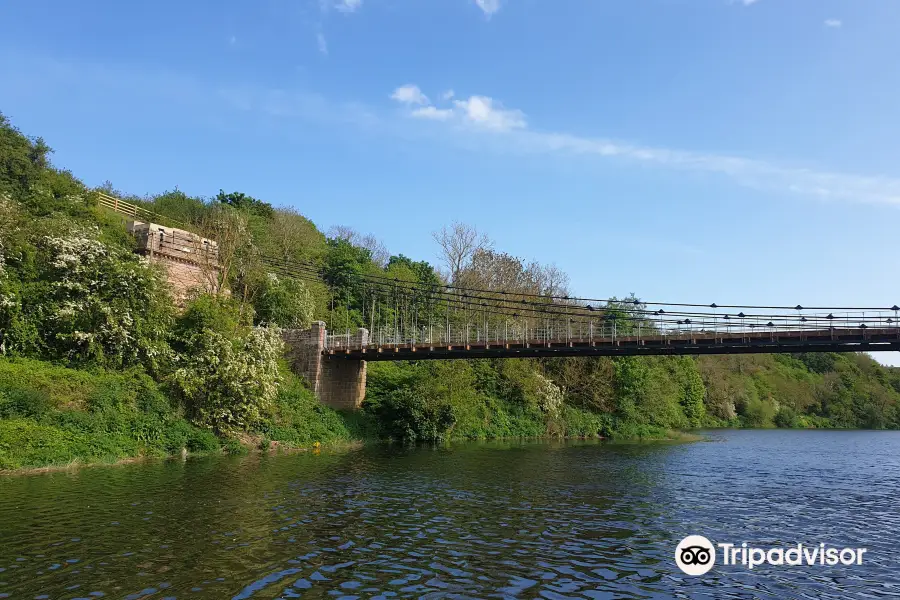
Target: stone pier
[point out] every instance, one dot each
(337, 383)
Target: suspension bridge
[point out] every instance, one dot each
(430, 321)
(375, 317)
(415, 320)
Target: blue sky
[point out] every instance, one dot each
(728, 151)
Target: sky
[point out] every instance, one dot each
(728, 151)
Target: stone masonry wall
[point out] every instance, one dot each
(185, 278)
(338, 383)
(190, 261)
(304, 352)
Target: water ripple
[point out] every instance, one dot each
(471, 521)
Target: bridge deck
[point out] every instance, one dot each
(833, 340)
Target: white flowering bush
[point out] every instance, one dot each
(51, 193)
(83, 300)
(8, 226)
(286, 303)
(229, 382)
(9, 300)
(550, 396)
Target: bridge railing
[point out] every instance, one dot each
(337, 341)
(509, 332)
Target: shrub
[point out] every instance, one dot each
(284, 302)
(23, 403)
(201, 440)
(787, 417)
(550, 396)
(578, 422)
(757, 413)
(209, 312)
(299, 419)
(25, 443)
(72, 296)
(229, 383)
(408, 416)
(234, 447)
(54, 415)
(692, 394)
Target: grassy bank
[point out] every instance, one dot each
(58, 416)
(54, 416)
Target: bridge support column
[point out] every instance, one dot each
(338, 383)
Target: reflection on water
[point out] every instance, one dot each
(482, 520)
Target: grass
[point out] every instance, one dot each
(54, 416)
(300, 420)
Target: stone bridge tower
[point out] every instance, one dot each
(190, 261)
(337, 383)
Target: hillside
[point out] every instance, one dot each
(96, 363)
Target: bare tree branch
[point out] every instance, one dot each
(378, 251)
(459, 243)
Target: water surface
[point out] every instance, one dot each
(580, 520)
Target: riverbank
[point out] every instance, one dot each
(60, 417)
(268, 448)
(272, 450)
(57, 417)
(54, 416)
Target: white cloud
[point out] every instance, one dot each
(834, 23)
(488, 114)
(348, 6)
(489, 7)
(746, 171)
(232, 40)
(749, 2)
(483, 111)
(409, 94)
(343, 6)
(325, 7)
(433, 113)
(480, 111)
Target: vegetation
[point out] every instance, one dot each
(97, 364)
(52, 415)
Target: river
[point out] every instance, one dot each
(551, 520)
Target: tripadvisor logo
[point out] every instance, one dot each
(696, 555)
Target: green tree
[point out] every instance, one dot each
(23, 161)
(632, 385)
(79, 299)
(246, 203)
(693, 393)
